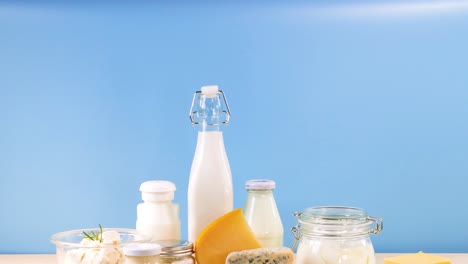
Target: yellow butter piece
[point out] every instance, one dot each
(229, 233)
(419, 258)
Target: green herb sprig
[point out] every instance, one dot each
(93, 236)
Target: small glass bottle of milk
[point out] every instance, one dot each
(210, 193)
(262, 213)
(158, 216)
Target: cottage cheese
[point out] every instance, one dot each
(94, 252)
(329, 251)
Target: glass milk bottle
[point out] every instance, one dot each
(210, 193)
(262, 214)
(158, 216)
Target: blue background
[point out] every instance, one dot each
(354, 103)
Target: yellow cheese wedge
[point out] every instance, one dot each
(229, 233)
(419, 258)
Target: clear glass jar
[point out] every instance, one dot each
(176, 252)
(142, 253)
(335, 235)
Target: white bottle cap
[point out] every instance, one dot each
(210, 90)
(142, 250)
(154, 191)
(260, 184)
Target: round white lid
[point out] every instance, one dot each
(157, 190)
(260, 184)
(142, 250)
(157, 186)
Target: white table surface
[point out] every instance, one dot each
(50, 259)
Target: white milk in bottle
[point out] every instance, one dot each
(262, 213)
(210, 193)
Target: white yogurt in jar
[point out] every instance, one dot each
(335, 235)
(330, 251)
(142, 253)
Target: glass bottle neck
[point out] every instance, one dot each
(260, 192)
(206, 127)
(210, 113)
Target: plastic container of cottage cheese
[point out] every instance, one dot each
(335, 235)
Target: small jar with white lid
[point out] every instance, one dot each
(262, 214)
(176, 252)
(335, 235)
(158, 216)
(142, 254)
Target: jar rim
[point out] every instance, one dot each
(336, 221)
(175, 247)
(333, 213)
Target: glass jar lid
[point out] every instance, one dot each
(335, 222)
(333, 215)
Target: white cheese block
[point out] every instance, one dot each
(274, 255)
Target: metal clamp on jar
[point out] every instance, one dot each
(335, 235)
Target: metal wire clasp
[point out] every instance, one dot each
(295, 231)
(193, 112)
(378, 224)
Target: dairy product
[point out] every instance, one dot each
(158, 216)
(335, 251)
(95, 252)
(142, 253)
(210, 193)
(102, 256)
(177, 252)
(419, 258)
(262, 213)
(210, 188)
(335, 235)
(226, 234)
(272, 255)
